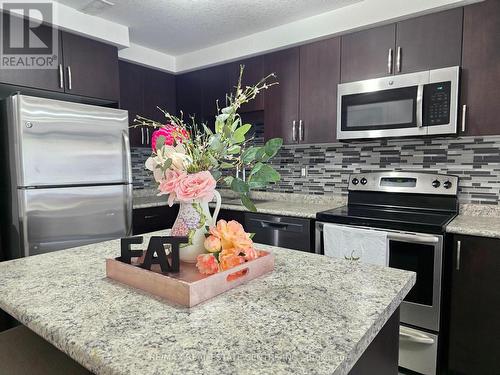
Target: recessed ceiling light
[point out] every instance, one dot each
(96, 6)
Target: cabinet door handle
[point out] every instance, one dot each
(459, 249)
(301, 131)
(464, 117)
(389, 61)
(294, 131)
(147, 136)
(61, 76)
(147, 217)
(142, 136)
(398, 60)
(70, 83)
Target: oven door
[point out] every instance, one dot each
(383, 107)
(418, 252)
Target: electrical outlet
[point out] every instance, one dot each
(303, 172)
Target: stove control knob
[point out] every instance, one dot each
(364, 181)
(355, 181)
(436, 183)
(447, 184)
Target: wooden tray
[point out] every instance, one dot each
(188, 287)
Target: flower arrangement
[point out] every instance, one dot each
(228, 245)
(188, 160)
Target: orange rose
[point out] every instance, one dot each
(207, 264)
(230, 261)
(212, 244)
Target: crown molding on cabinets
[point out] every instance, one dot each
(148, 57)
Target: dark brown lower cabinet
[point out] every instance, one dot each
(151, 219)
(229, 215)
(475, 307)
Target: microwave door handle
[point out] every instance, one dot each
(420, 105)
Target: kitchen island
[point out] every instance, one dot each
(312, 315)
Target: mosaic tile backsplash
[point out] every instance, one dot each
(476, 160)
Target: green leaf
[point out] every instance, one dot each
(235, 125)
(239, 186)
(266, 173)
(239, 134)
(273, 146)
(228, 180)
(226, 110)
(160, 141)
(235, 149)
(226, 165)
(256, 168)
(249, 154)
(261, 154)
(248, 203)
(207, 130)
(216, 174)
(257, 184)
(251, 235)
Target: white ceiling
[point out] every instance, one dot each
(177, 27)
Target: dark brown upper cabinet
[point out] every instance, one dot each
(480, 85)
(429, 42)
(131, 98)
(319, 77)
(422, 43)
(91, 67)
(85, 67)
(253, 73)
(141, 91)
(302, 107)
(159, 91)
(189, 95)
(475, 302)
(214, 87)
(368, 54)
(45, 79)
(281, 114)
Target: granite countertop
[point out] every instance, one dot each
(477, 220)
(273, 324)
(297, 205)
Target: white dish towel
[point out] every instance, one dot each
(363, 245)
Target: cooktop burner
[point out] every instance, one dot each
(409, 201)
(389, 218)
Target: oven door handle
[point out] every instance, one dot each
(412, 238)
(412, 335)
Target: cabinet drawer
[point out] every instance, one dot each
(153, 218)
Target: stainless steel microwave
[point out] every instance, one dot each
(415, 104)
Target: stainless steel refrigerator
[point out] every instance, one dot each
(68, 175)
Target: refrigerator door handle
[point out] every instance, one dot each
(128, 157)
(128, 211)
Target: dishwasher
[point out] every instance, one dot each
(283, 231)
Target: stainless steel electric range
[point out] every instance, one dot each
(413, 209)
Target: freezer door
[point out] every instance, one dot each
(62, 143)
(60, 218)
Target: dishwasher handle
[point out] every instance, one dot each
(273, 224)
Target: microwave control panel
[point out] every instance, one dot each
(437, 102)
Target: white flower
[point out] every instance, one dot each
(180, 161)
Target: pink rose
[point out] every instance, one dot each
(197, 186)
(170, 183)
(207, 264)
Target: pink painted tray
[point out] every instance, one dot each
(188, 287)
